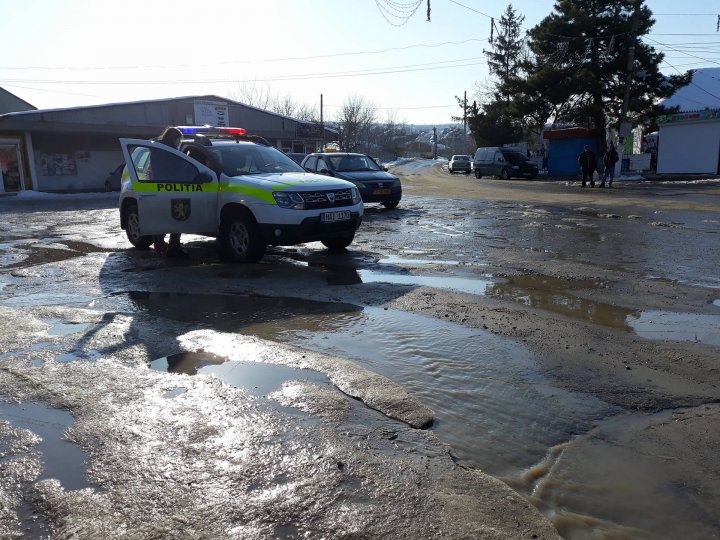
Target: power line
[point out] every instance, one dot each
(51, 91)
(397, 107)
(398, 10)
(685, 14)
(284, 59)
(682, 52)
(464, 62)
(471, 9)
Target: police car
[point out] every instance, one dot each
(222, 182)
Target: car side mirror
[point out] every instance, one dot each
(202, 177)
(384, 168)
(325, 171)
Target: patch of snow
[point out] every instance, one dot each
(700, 94)
(29, 194)
(410, 165)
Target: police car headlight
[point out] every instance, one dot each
(355, 195)
(289, 199)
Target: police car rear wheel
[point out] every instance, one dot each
(239, 239)
(132, 229)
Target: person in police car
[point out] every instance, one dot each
(171, 137)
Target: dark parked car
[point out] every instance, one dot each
(460, 163)
(373, 181)
(504, 163)
(112, 182)
(297, 157)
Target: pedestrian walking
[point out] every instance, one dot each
(588, 164)
(609, 160)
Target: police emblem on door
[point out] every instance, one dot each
(180, 209)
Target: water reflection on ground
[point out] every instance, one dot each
(491, 404)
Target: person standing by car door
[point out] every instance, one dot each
(171, 137)
(588, 164)
(609, 160)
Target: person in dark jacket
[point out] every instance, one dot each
(588, 164)
(609, 160)
(171, 137)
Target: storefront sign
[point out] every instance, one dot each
(309, 131)
(212, 113)
(690, 116)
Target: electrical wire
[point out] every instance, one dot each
(464, 62)
(398, 10)
(285, 59)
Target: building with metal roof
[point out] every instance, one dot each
(73, 149)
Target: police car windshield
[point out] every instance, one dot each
(238, 159)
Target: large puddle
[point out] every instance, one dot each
(62, 460)
(492, 405)
(257, 378)
(553, 295)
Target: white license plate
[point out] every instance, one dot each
(331, 217)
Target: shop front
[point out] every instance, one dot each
(689, 143)
(12, 178)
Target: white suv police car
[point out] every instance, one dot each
(223, 183)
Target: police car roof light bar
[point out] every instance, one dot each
(210, 130)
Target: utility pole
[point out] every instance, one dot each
(322, 125)
(464, 144)
(623, 128)
(434, 143)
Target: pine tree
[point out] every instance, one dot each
(580, 60)
(507, 60)
(495, 122)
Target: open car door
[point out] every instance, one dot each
(175, 194)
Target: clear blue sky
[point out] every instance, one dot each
(65, 53)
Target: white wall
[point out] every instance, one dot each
(689, 148)
(91, 171)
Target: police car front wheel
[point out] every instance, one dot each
(337, 244)
(132, 229)
(240, 239)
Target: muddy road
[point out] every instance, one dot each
(564, 341)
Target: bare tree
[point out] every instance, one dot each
(284, 105)
(253, 94)
(260, 96)
(355, 120)
(310, 113)
(390, 134)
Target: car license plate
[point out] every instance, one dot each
(331, 217)
(381, 192)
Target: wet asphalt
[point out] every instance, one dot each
(77, 302)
